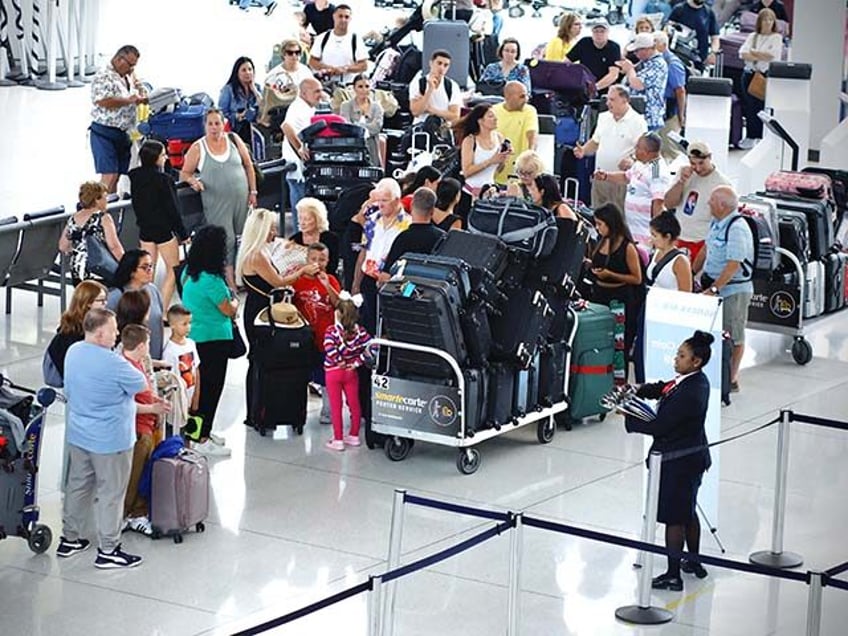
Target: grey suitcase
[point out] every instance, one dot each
(454, 37)
(179, 498)
(814, 290)
(161, 98)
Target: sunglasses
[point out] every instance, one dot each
(146, 268)
(288, 52)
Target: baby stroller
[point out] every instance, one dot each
(21, 425)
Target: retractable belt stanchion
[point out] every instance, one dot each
(814, 604)
(375, 606)
(776, 557)
(71, 53)
(395, 541)
(90, 19)
(50, 35)
(643, 613)
(514, 602)
(5, 47)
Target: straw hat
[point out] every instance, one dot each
(284, 314)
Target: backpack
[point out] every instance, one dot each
(326, 39)
(422, 85)
(763, 264)
(665, 260)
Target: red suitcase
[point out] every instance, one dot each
(803, 184)
(179, 498)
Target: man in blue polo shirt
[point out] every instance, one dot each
(727, 260)
(696, 15)
(100, 387)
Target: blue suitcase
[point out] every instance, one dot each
(185, 122)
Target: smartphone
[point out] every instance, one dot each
(506, 146)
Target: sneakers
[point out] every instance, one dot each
(217, 439)
(352, 440)
(270, 8)
(141, 525)
(747, 143)
(315, 389)
(116, 559)
(211, 449)
(734, 387)
(693, 567)
(335, 444)
(70, 548)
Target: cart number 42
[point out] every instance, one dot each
(380, 382)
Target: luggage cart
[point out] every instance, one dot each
(782, 303)
(19, 511)
(407, 410)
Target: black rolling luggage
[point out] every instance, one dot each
(449, 269)
(565, 261)
(521, 327)
(350, 151)
(526, 390)
(423, 312)
(501, 389)
(834, 281)
(487, 256)
(794, 237)
(477, 331)
(524, 226)
(819, 213)
(476, 398)
(553, 360)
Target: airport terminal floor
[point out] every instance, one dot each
(291, 523)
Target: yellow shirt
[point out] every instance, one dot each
(514, 125)
(556, 50)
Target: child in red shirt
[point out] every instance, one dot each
(316, 297)
(135, 340)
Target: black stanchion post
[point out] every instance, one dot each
(776, 557)
(515, 549)
(814, 604)
(395, 542)
(643, 613)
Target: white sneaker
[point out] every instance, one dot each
(141, 525)
(747, 143)
(217, 439)
(210, 449)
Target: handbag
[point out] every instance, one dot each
(99, 260)
(50, 371)
(237, 348)
(757, 86)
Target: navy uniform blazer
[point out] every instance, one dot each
(679, 423)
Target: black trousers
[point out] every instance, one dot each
(214, 358)
(368, 311)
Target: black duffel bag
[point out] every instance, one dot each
(522, 225)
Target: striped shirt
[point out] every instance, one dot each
(343, 352)
(646, 182)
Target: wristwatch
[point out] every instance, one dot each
(714, 290)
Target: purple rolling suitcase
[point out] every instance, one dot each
(735, 120)
(179, 498)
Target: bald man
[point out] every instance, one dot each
(728, 262)
(518, 122)
(298, 116)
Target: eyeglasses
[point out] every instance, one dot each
(127, 60)
(526, 173)
(289, 52)
(146, 268)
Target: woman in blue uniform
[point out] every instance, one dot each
(681, 412)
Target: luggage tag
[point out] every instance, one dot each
(408, 289)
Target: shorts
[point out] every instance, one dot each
(735, 309)
(110, 148)
(155, 234)
(692, 247)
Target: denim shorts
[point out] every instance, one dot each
(111, 149)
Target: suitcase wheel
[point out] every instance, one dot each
(298, 429)
(40, 538)
(564, 419)
(200, 527)
(397, 448)
(157, 534)
(468, 461)
(178, 538)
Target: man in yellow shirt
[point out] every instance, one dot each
(518, 122)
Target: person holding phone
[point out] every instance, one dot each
(483, 150)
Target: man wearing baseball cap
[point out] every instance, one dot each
(599, 54)
(647, 78)
(690, 194)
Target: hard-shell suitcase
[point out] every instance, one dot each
(452, 36)
(553, 359)
(185, 121)
(501, 389)
(839, 180)
(487, 256)
(475, 399)
(477, 331)
(526, 390)
(449, 269)
(179, 498)
(281, 398)
(423, 312)
(803, 184)
(565, 261)
(350, 151)
(767, 209)
(815, 286)
(834, 281)
(524, 226)
(819, 213)
(794, 236)
(160, 98)
(736, 125)
(521, 327)
(591, 372)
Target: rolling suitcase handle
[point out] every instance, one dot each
(576, 184)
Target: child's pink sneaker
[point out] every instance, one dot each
(352, 440)
(335, 444)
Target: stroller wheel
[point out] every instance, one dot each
(40, 538)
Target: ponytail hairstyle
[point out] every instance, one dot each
(348, 316)
(700, 343)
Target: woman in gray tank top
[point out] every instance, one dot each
(218, 165)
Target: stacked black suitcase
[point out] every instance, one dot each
(501, 311)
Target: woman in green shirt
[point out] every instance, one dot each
(207, 296)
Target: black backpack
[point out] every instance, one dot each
(422, 85)
(763, 264)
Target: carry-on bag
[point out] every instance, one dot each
(521, 327)
(501, 389)
(452, 36)
(834, 281)
(574, 81)
(423, 312)
(803, 184)
(449, 269)
(179, 498)
(338, 150)
(160, 98)
(591, 369)
(487, 256)
(553, 359)
(185, 121)
(526, 390)
(477, 331)
(819, 213)
(523, 226)
(815, 289)
(565, 262)
(794, 236)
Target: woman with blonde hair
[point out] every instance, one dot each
(90, 220)
(761, 47)
(315, 228)
(570, 25)
(528, 166)
(257, 272)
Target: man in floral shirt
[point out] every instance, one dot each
(115, 93)
(648, 78)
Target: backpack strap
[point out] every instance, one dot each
(660, 264)
(326, 39)
(747, 266)
(422, 85)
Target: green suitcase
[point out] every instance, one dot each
(591, 368)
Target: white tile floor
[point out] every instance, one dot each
(291, 523)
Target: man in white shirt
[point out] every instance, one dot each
(647, 181)
(435, 93)
(339, 53)
(613, 143)
(298, 116)
(690, 194)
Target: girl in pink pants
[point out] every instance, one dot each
(345, 349)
